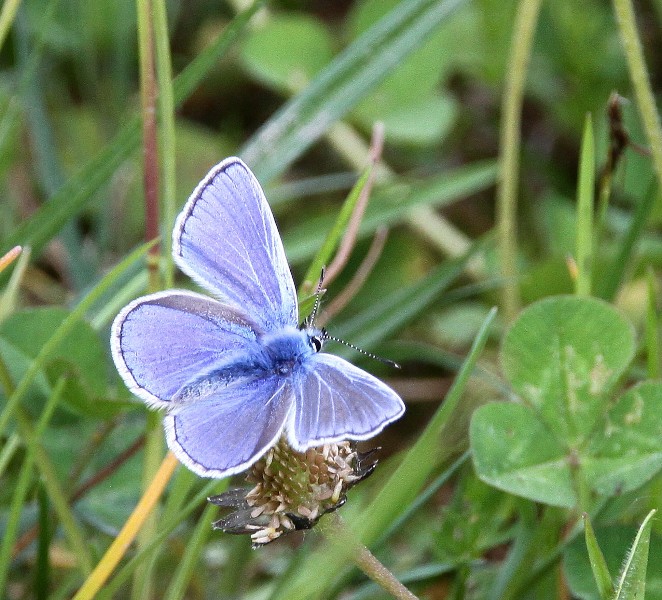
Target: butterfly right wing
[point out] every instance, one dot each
(227, 431)
(162, 341)
(336, 401)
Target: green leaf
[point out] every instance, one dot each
(287, 51)
(563, 356)
(419, 122)
(632, 582)
(569, 439)
(80, 359)
(82, 349)
(598, 562)
(625, 451)
(515, 452)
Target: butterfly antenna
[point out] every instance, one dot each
(386, 361)
(318, 295)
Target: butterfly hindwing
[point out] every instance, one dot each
(228, 431)
(226, 239)
(336, 401)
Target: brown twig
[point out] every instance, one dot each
(349, 239)
(148, 95)
(619, 138)
(108, 470)
(359, 278)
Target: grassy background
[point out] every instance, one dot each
(484, 108)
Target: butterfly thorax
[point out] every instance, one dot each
(288, 347)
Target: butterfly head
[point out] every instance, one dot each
(316, 338)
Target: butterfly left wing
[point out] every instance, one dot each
(337, 401)
(226, 239)
(226, 432)
(161, 341)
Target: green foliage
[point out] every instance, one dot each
(627, 551)
(529, 462)
(568, 442)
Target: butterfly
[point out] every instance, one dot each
(235, 371)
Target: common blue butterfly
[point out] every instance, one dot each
(237, 372)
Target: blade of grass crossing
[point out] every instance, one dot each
(598, 562)
(65, 327)
(400, 490)
(340, 86)
(614, 275)
(191, 558)
(652, 328)
(632, 581)
(23, 484)
(394, 311)
(336, 232)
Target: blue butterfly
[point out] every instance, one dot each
(234, 374)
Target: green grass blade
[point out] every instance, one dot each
(392, 205)
(632, 581)
(166, 528)
(332, 240)
(80, 189)
(7, 15)
(65, 327)
(395, 310)
(652, 329)
(345, 81)
(598, 562)
(166, 137)
(23, 484)
(615, 274)
(585, 201)
(187, 567)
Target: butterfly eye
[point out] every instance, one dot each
(316, 342)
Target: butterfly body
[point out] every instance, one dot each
(279, 354)
(235, 372)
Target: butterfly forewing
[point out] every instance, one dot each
(162, 341)
(226, 239)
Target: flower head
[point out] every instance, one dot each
(292, 490)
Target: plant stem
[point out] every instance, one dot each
(640, 81)
(143, 584)
(167, 135)
(511, 109)
(150, 147)
(337, 530)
